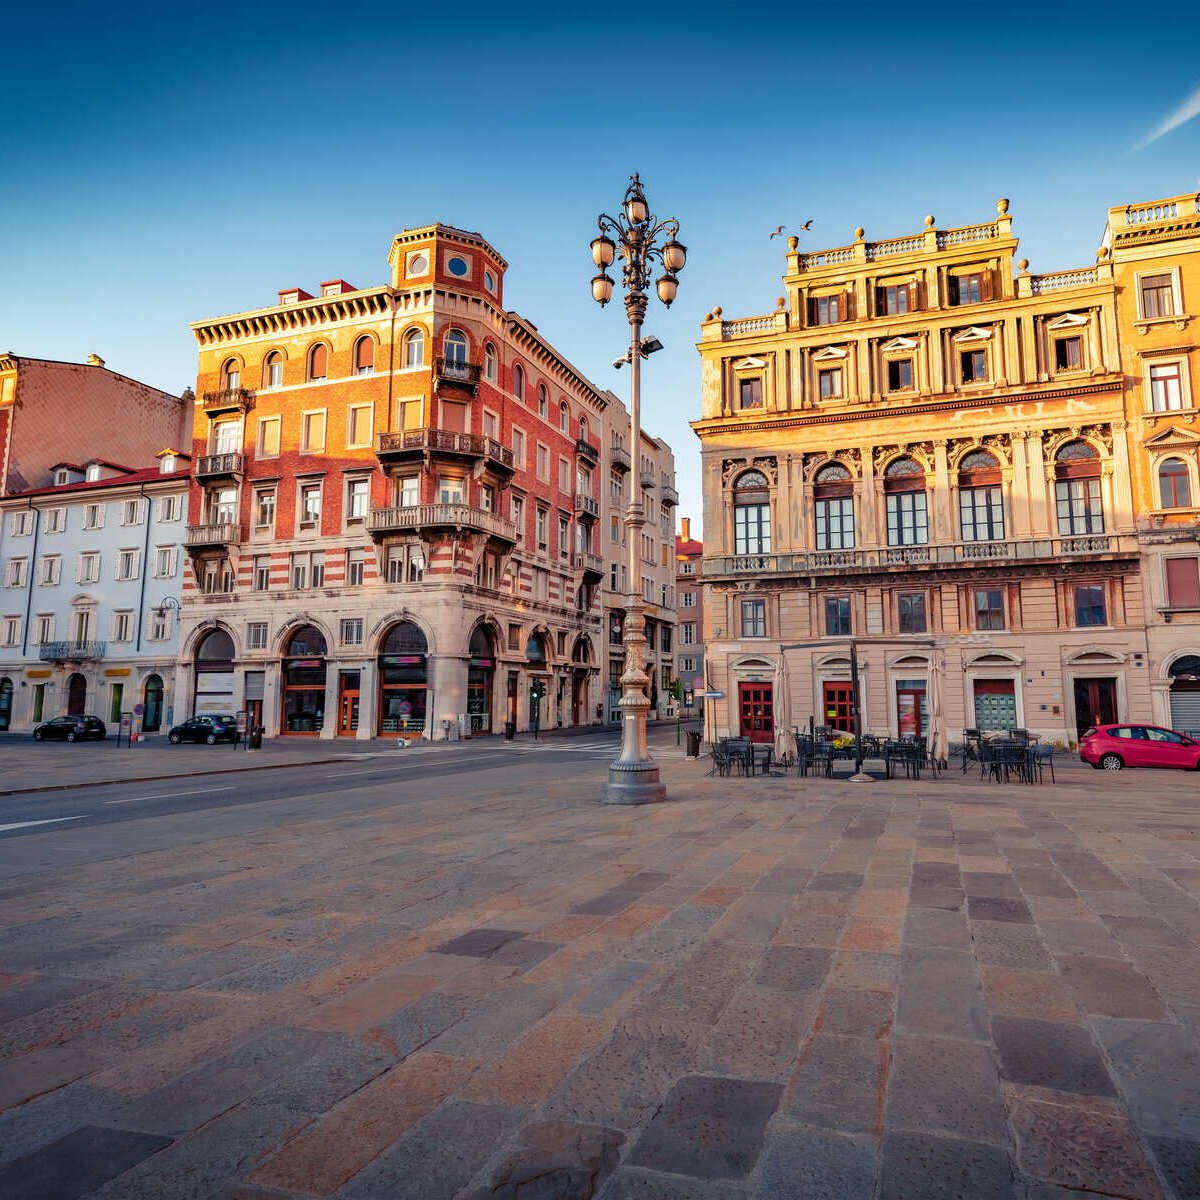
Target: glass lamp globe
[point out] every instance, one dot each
(602, 288)
(667, 286)
(603, 251)
(674, 255)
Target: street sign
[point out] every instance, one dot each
(698, 683)
(714, 695)
(138, 709)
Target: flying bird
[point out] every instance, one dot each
(779, 232)
(806, 225)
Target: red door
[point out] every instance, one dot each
(758, 711)
(838, 709)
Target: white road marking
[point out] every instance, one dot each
(167, 795)
(47, 821)
(392, 766)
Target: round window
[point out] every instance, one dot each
(418, 264)
(457, 266)
(489, 281)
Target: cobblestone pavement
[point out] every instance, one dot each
(764, 988)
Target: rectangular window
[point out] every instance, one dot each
(357, 499)
(900, 375)
(264, 508)
(262, 573)
(1068, 353)
(89, 566)
(450, 490)
(226, 437)
(312, 432)
(687, 599)
(827, 310)
(122, 626)
(268, 437)
(1183, 582)
(687, 633)
(516, 512)
(93, 516)
(14, 572)
(973, 366)
(131, 512)
(1166, 387)
(614, 529)
(543, 463)
(491, 426)
(543, 541)
(989, 608)
(308, 570)
(518, 449)
(12, 630)
(1158, 298)
(981, 514)
(351, 631)
(564, 537)
(1089, 604)
(752, 529)
(256, 635)
(966, 289)
(409, 494)
(21, 523)
(666, 638)
(410, 414)
(1079, 507)
(895, 299)
(358, 425)
(837, 616)
(907, 519)
(45, 629)
(750, 393)
(50, 570)
(170, 508)
(159, 627)
(164, 562)
(910, 608)
(310, 505)
(829, 383)
(356, 565)
(56, 518)
(835, 523)
(754, 618)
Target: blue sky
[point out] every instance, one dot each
(161, 166)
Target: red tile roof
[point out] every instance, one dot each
(147, 475)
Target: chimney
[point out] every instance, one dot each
(94, 360)
(686, 525)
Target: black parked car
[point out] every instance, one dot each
(204, 729)
(70, 729)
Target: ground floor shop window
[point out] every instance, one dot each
(912, 716)
(304, 681)
(403, 681)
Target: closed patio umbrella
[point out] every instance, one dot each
(781, 698)
(939, 743)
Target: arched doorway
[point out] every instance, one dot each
(481, 672)
(6, 697)
(153, 703)
(403, 680)
(76, 695)
(539, 667)
(580, 658)
(1185, 693)
(214, 675)
(303, 676)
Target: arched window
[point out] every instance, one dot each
(1174, 489)
(217, 646)
(518, 381)
(231, 375)
(543, 402)
(907, 507)
(980, 505)
(751, 514)
(833, 505)
(318, 362)
(405, 639)
(455, 347)
(489, 363)
(303, 679)
(1077, 490)
(583, 429)
(273, 370)
(564, 417)
(364, 356)
(414, 348)
(306, 642)
(535, 648)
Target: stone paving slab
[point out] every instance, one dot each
(762, 989)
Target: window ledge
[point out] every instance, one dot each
(1145, 324)
(1167, 414)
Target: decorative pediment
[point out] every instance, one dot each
(899, 343)
(1067, 321)
(1172, 438)
(974, 334)
(830, 354)
(749, 364)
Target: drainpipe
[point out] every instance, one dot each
(37, 526)
(145, 571)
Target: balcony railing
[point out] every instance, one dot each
(410, 517)
(227, 399)
(620, 458)
(942, 554)
(587, 506)
(444, 441)
(215, 533)
(647, 479)
(71, 651)
(586, 561)
(669, 494)
(213, 466)
(585, 449)
(451, 370)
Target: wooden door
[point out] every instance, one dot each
(838, 709)
(1095, 703)
(757, 712)
(348, 712)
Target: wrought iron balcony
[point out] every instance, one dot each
(211, 535)
(669, 494)
(228, 400)
(585, 449)
(416, 443)
(620, 458)
(220, 466)
(590, 564)
(465, 374)
(587, 507)
(417, 518)
(72, 651)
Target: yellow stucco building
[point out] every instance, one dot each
(933, 453)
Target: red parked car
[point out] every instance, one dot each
(1111, 747)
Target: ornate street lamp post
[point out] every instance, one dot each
(633, 778)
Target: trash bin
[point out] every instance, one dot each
(693, 743)
(510, 730)
(255, 735)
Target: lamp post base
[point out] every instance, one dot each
(634, 783)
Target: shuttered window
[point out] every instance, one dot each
(1183, 582)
